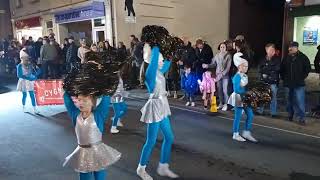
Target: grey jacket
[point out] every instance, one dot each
(222, 62)
(48, 53)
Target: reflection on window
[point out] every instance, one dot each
(18, 3)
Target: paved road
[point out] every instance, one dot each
(33, 147)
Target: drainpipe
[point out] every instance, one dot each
(285, 28)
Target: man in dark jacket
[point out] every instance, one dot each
(269, 69)
(317, 61)
(37, 48)
(204, 55)
(295, 69)
(72, 59)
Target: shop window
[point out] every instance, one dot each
(18, 3)
(49, 24)
(99, 22)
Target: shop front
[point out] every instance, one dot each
(83, 22)
(25, 28)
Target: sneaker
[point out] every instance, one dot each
(188, 103)
(193, 104)
(302, 122)
(163, 170)
(141, 172)
(220, 106)
(237, 137)
(205, 108)
(225, 107)
(120, 124)
(114, 130)
(247, 135)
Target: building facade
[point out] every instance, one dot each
(5, 28)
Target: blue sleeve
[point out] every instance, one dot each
(236, 85)
(166, 66)
(20, 74)
(101, 112)
(151, 72)
(73, 111)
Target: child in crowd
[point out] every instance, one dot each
(207, 87)
(189, 85)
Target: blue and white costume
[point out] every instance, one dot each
(156, 114)
(92, 156)
(27, 76)
(240, 81)
(119, 106)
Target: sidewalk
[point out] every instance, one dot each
(312, 128)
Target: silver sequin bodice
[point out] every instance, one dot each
(87, 131)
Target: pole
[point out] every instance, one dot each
(285, 28)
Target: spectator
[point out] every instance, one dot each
(222, 62)
(101, 46)
(64, 47)
(132, 38)
(72, 55)
(37, 48)
(189, 85)
(109, 48)
(48, 55)
(204, 55)
(94, 48)
(83, 49)
(294, 70)
(317, 61)
(269, 69)
(121, 51)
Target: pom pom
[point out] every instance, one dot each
(259, 94)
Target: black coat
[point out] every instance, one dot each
(317, 61)
(188, 55)
(138, 52)
(37, 48)
(203, 57)
(294, 70)
(270, 70)
(72, 53)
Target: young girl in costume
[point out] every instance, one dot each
(240, 81)
(156, 111)
(92, 156)
(27, 75)
(207, 87)
(119, 106)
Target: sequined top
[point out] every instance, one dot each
(87, 131)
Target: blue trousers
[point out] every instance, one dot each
(152, 134)
(99, 175)
(296, 98)
(273, 105)
(237, 119)
(120, 110)
(24, 98)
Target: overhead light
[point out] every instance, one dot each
(288, 1)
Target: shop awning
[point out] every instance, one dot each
(94, 10)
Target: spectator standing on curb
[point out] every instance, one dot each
(294, 70)
(269, 69)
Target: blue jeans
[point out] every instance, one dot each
(189, 96)
(296, 98)
(237, 119)
(152, 134)
(273, 105)
(120, 110)
(99, 175)
(32, 97)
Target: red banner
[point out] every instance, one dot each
(49, 92)
(28, 23)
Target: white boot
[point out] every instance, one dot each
(193, 104)
(237, 137)
(141, 172)
(247, 135)
(114, 130)
(119, 123)
(225, 107)
(35, 110)
(24, 109)
(163, 170)
(188, 103)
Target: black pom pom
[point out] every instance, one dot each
(258, 94)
